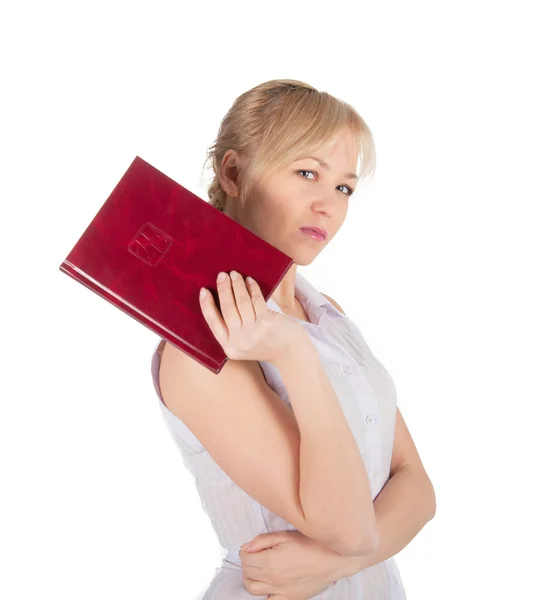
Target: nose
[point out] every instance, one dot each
(325, 205)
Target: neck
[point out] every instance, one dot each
(284, 295)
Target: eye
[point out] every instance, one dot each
(350, 190)
(303, 171)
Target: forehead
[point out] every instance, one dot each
(343, 140)
(342, 143)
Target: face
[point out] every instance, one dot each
(302, 194)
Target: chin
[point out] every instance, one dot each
(304, 263)
(300, 255)
(304, 258)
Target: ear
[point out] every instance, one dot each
(229, 173)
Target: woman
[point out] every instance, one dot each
(296, 434)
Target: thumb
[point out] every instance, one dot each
(264, 540)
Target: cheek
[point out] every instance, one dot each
(340, 222)
(277, 210)
(270, 217)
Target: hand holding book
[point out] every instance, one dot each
(246, 328)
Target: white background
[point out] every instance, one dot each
(448, 261)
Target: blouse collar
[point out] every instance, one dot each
(314, 303)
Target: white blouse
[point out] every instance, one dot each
(368, 398)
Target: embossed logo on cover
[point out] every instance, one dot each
(150, 244)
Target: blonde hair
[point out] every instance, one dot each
(277, 122)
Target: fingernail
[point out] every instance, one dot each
(221, 276)
(249, 280)
(233, 275)
(202, 293)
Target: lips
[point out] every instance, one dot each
(317, 230)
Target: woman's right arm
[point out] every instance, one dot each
(333, 485)
(302, 464)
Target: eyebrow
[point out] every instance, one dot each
(326, 166)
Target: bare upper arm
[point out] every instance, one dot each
(244, 425)
(405, 452)
(405, 455)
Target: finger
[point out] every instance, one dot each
(227, 303)
(254, 573)
(259, 304)
(250, 557)
(251, 560)
(256, 587)
(213, 317)
(242, 298)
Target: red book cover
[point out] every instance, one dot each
(152, 246)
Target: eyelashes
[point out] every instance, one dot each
(350, 189)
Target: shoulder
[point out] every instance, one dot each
(335, 304)
(178, 365)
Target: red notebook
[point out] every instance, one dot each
(154, 244)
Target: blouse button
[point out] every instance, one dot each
(369, 419)
(346, 368)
